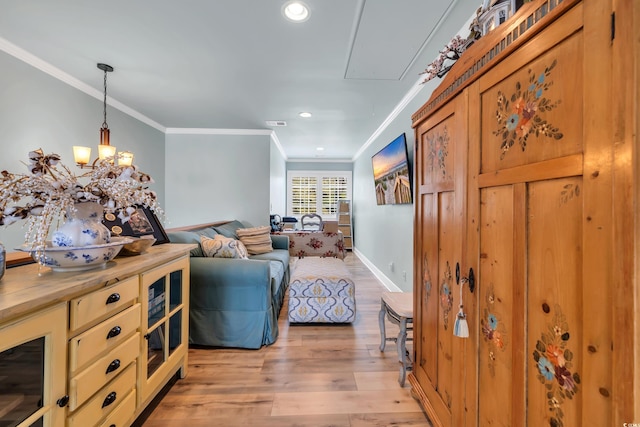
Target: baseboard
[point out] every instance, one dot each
(386, 282)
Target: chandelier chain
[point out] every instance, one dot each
(104, 123)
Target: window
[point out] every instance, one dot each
(317, 192)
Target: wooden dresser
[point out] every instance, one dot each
(526, 158)
(111, 338)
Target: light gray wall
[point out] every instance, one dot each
(217, 177)
(278, 182)
(40, 111)
(384, 234)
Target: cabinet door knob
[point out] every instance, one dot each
(63, 401)
(111, 397)
(114, 297)
(114, 332)
(113, 366)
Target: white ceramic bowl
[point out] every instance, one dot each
(79, 258)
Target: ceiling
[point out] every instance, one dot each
(234, 64)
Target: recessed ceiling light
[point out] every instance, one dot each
(320, 149)
(296, 11)
(305, 114)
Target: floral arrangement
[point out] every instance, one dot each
(449, 55)
(51, 190)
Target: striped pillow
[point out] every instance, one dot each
(257, 240)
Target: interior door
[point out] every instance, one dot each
(536, 215)
(440, 222)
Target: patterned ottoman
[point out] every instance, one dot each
(321, 291)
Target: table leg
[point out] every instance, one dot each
(383, 333)
(402, 350)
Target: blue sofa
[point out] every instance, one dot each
(234, 302)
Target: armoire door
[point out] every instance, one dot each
(440, 158)
(543, 235)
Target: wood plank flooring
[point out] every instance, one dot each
(313, 376)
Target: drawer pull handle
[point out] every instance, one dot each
(114, 332)
(113, 366)
(62, 402)
(109, 399)
(114, 297)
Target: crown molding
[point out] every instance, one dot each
(214, 131)
(320, 160)
(276, 141)
(408, 97)
(241, 132)
(21, 54)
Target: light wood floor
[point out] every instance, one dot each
(313, 376)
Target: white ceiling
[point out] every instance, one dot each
(233, 64)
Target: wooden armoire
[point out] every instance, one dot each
(526, 179)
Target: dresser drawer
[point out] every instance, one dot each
(123, 414)
(90, 380)
(102, 338)
(100, 303)
(106, 400)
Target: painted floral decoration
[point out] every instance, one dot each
(50, 190)
(446, 298)
(438, 150)
(493, 330)
(426, 278)
(569, 191)
(520, 115)
(554, 363)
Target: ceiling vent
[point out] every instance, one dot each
(276, 123)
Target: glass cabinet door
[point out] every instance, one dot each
(32, 368)
(166, 288)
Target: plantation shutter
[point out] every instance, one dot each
(333, 189)
(317, 192)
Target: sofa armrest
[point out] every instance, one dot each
(278, 241)
(230, 284)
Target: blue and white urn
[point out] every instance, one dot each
(83, 227)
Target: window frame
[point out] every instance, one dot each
(319, 175)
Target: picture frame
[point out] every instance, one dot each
(143, 222)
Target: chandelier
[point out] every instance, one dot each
(82, 155)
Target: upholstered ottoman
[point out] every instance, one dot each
(321, 291)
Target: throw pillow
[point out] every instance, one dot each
(229, 229)
(223, 247)
(257, 240)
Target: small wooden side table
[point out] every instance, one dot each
(398, 308)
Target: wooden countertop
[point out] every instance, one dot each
(31, 287)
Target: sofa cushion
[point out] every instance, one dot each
(277, 274)
(187, 237)
(207, 232)
(223, 247)
(229, 229)
(257, 240)
(281, 255)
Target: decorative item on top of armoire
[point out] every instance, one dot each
(547, 228)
